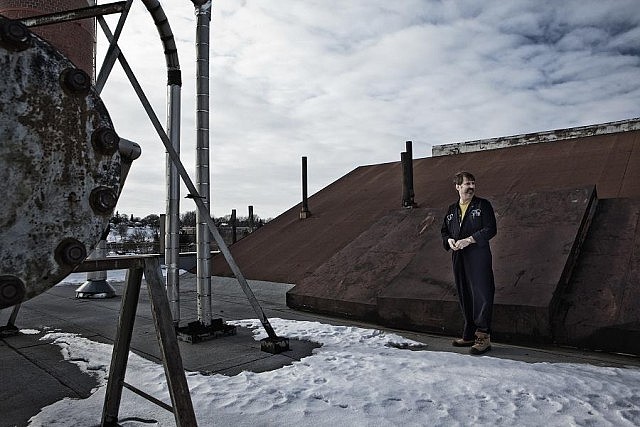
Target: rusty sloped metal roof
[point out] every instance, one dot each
(358, 255)
(288, 249)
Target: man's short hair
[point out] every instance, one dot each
(460, 176)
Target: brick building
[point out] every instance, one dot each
(75, 39)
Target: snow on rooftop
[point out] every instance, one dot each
(359, 377)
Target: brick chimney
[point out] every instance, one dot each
(75, 39)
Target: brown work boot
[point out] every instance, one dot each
(482, 344)
(461, 342)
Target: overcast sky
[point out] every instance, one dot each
(346, 83)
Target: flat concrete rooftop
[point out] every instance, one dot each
(26, 361)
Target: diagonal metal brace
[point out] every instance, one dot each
(182, 406)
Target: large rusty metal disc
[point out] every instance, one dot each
(59, 165)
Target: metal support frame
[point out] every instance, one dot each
(170, 140)
(112, 51)
(174, 83)
(10, 328)
(273, 343)
(74, 14)
(149, 266)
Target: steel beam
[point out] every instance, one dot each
(74, 14)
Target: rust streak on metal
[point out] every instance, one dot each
(50, 166)
(73, 15)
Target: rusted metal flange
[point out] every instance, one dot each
(59, 165)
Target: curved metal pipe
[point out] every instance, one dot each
(174, 82)
(166, 35)
(129, 151)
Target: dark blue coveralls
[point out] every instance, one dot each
(472, 266)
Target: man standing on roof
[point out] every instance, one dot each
(467, 228)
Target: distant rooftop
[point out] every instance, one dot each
(536, 137)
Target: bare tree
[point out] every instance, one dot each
(188, 219)
(122, 229)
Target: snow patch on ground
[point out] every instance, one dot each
(358, 377)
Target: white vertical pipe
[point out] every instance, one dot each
(172, 227)
(203, 246)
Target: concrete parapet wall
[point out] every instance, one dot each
(536, 137)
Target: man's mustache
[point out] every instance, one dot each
(469, 190)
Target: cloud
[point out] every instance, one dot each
(345, 84)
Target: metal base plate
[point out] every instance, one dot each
(274, 345)
(95, 289)
(9, 331)
(196, 332)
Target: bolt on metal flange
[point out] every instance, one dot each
(75, 81)
(54, 137)
(105, 140)
(12, 291)
(103, 200)
(14, 35)
(70, 252)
